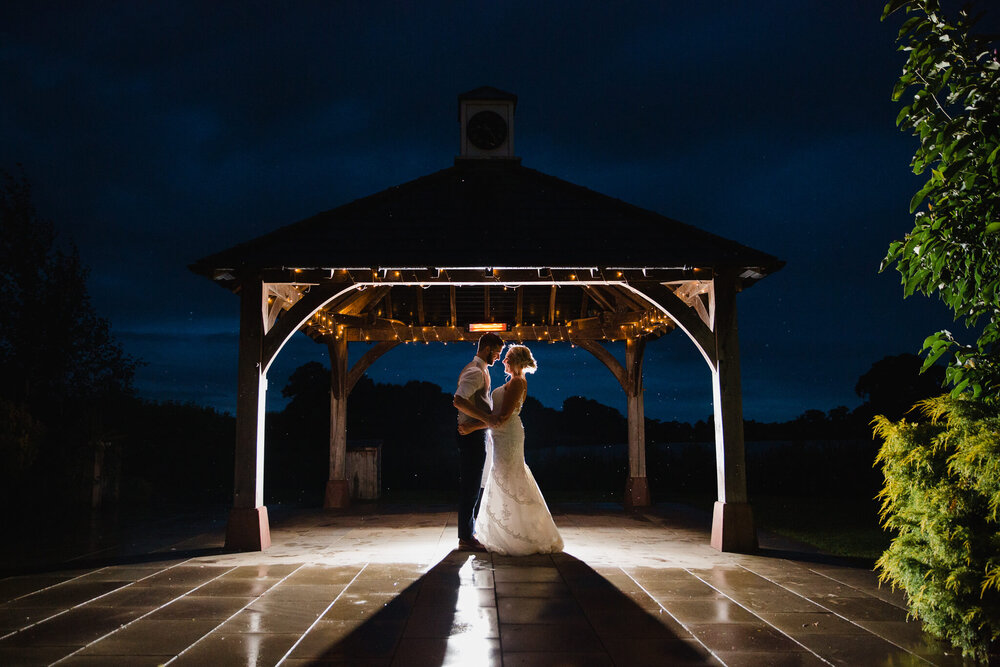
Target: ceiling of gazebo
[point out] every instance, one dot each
(534, 304)
(442, 313)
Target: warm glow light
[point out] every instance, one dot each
(487, 326)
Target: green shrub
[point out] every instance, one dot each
(940, 499)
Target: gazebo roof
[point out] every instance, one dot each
(489, 213)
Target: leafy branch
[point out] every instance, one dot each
(953, 250)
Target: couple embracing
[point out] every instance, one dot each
(500, 506)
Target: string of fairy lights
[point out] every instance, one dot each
(325, 323)
(647, 322)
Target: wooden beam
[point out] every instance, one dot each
(593, 329)
(607, 326)
(420, 305)
(472, 276)
(635, 347)
(248, 528)
(363, 300)
(732, 524)
(597, 296)
(387, 301)
(353, 320)
(338, 492)
(584, 299)
(637, 488)
(605, 358)
(703, 312)
(486, 303)
(685, 317)
(552, 305)
(692, 292)
(454, 309)
(280, 297)
(366, 360)
(519, 307)
(585, 322)
(612, 297)
(625, 299)
(416, 334)
(353, 310)
(293, 318)
(628, 318)
(273, 308)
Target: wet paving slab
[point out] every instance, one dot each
(377, 587)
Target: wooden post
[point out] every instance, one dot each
(338, 490)
(248, 528)
(732, 521)
(637, 487)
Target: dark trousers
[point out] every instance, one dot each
(471, 457)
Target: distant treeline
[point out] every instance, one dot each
(180, 453)
(578, 451)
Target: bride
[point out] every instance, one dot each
(513, 517)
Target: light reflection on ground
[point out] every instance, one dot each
(388, 588)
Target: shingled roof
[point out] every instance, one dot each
(488, 213)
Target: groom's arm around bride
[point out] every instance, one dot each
(472, 397)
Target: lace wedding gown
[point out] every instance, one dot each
(513, 518)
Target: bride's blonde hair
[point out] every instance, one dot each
(520, 356)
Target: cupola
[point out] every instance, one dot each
(486, 118)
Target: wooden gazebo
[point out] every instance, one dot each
(488, 241)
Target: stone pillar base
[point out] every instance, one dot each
(636, 492)
(733, 529)
(338, 494)
(248, 529)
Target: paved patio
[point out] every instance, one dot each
(384, 587)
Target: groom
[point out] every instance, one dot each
(472, 399)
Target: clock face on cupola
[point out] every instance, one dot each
(486, 116)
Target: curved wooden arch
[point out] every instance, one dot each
(605, 358)
(683, 315)
(366, 360)
(292, 320)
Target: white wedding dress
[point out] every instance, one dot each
(513, 518)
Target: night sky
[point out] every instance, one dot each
(156, 133)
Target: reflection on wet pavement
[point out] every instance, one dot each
(374, 587)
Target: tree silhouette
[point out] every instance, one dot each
(64, 375)
(893, 385)
(53, 345)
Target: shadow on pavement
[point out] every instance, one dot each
(470, 608)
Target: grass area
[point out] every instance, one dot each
(836, 526)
